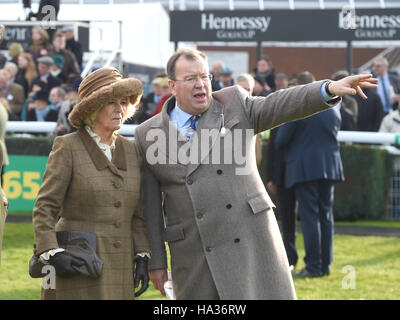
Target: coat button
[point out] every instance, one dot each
(116, 184)
(228, 206)
(237, 240)
(199, 215)
(117, 204)
(208, 249)
(117, 244)
(117, 224)
(189, 181)
(219, 171)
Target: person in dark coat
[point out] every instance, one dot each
(312, 166)
(44, 66)
(265, 71)
(348, 107)
(72, 45)
(41, 110)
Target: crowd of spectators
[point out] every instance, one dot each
(357, 114)
(40, 82)
(29, 76)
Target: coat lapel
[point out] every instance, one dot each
(209, 124)
(97, 156)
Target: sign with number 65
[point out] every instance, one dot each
(21, 181)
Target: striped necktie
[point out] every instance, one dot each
(193, 121)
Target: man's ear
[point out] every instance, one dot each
(171, 86)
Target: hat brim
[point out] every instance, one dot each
(129, 87)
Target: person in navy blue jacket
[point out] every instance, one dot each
(312, 166)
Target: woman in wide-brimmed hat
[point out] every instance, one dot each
(92, 181)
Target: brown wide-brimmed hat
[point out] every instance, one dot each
(99, 88)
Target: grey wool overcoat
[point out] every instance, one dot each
(218, 219)
(90, 193)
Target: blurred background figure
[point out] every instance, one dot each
(370, 111)
(14, 50)
(72, 45)
(285, 197)
(12, 70)
(56, 98)
(70, 100)
(149, 103)
(44, 67)
(40, 44)
(388, 85)
(70, 68)
(281, 81)
(312, 167)
(56, 68)
(246, 81)
(225, 77)
(259, 89)
(264, 70)
(41, 109)
(165, 95)
(26, 70)
(216, 71)
(12, 92)
(348, 107)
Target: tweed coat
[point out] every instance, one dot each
(220, 226)
(92, 194)
(3, 209)
(15, 96)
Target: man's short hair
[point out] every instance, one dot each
(383, 60)
(188, 54)
(305, 77)
(246, 77)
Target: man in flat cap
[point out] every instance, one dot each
(44, 68)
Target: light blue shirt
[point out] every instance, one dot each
(181, 119)
(324, 94)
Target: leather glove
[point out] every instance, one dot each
(141, 274)
(66, 265)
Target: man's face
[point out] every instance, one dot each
(226, 79)
(43, 69)
(246, 86)
(281, 84)
(194, 94)
(380, 69)
(54, 97)
(59, 42)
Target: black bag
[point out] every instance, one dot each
(79, 244)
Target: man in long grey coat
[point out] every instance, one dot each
(203, 193)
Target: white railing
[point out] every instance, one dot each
(50, 127)
(129, 129)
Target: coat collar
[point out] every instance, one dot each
(210, 119)
(98, 157)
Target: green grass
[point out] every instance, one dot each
(375, 261)
(370, 223)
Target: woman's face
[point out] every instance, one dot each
(35, 34)
(22, 62)
(110, 117)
